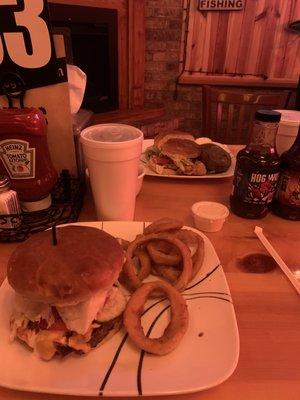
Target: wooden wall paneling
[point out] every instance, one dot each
(244, 42)
(136, 53)
(206, 38)
(213, 37)
(225, 80)
(271, 20)
(221, 40)
(185, 16)
(189, 39)
(258, 29)
(123, 54)
(246, 33)
(288, 66)
(282, 39)
(297, 61)
(198, 39)
(234, 32)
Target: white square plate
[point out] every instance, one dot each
(227, 174)
(207, 355)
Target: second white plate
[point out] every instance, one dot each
(229, 173)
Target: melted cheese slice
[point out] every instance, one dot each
(44, 343)
(79, 317)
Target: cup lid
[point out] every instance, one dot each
(289, 117)
(111, 135)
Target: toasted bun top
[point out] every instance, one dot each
(84, 261)
(181, 147)
(163, 137)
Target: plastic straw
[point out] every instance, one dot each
(259, 232)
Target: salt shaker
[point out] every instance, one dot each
(9, 204)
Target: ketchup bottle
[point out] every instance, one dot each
(25, 157)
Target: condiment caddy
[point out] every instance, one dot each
(67, 198)
(46, 199)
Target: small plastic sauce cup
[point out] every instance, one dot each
(209, 216)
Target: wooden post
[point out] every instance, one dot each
(136, 52)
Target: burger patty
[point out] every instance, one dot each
(98, 335)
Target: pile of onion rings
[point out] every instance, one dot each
(165, 250)
(173, 254)
(187, 263)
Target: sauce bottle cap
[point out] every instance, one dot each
(267, 115)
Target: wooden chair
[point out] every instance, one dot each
(227, 114)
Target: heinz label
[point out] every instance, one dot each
(18, 158)
(255, 187)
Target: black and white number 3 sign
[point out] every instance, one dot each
(26, 43)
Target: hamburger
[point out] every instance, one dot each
(66, 297)
(175, 153)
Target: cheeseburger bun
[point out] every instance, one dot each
(163, 137)
(83, 261)
(181, 147)
(66, 299)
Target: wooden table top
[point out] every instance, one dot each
(267, 306)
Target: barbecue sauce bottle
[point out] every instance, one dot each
(257, 168)
(286, 202)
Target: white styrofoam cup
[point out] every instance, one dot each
(112, 153)
(287, 130)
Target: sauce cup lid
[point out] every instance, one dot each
(210, 210)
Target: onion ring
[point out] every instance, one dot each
(163, 255)
(195, 243)
(168, 272)
(187, 263)
(176, 328)
(145, 264)
(142, 273)
(163, 225)
(190, 238)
